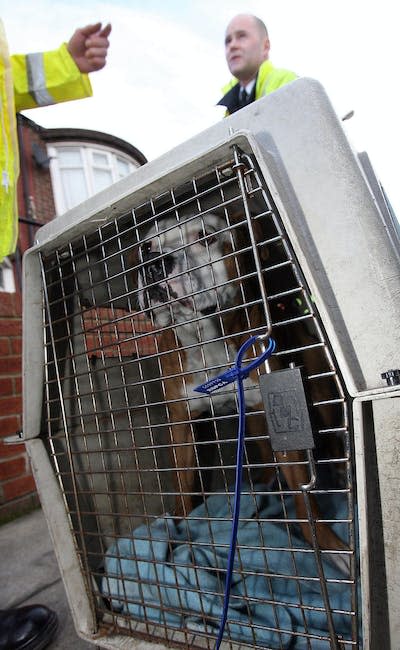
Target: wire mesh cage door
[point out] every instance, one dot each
(138, 313)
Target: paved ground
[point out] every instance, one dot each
(29, 574)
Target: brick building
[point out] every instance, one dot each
(59, 169)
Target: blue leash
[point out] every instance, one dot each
(238, 374)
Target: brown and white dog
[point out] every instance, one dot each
(203, 297)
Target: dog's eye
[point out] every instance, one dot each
(145, 248)
(206, 238)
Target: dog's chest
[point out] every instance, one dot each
(206, 356)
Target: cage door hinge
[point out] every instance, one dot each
(16, 439)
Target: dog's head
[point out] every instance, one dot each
(186, 268)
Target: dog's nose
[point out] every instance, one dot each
(157, 267)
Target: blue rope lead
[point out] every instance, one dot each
(238, 374)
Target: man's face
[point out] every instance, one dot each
(245, 48)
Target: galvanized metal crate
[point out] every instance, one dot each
(146, 291)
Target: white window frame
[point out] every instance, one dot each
(7, 280)
(87, 150)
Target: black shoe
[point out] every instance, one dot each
(27, 628)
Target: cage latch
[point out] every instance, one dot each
(16, 439)
(392, 377)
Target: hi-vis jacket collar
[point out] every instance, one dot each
(269, 79)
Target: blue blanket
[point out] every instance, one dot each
(173, 574)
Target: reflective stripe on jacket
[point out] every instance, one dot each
(269, 79)
(28, 81)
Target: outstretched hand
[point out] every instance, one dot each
(88, 47)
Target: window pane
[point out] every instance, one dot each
(74, 186)
(123, 167)
(100, 159)
(101, 178)
(83, 170)
(70, 156)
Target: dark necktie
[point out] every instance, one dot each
(243, 97)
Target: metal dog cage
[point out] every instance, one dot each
(126, 310)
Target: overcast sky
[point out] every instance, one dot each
(166, 65)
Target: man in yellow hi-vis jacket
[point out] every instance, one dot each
(28, 81)
(39, 79)
(247, 48)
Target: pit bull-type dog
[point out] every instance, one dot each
(197, 279)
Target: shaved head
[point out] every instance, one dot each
(261, 26)
(258, 23)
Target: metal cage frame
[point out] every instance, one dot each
(100, 437)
